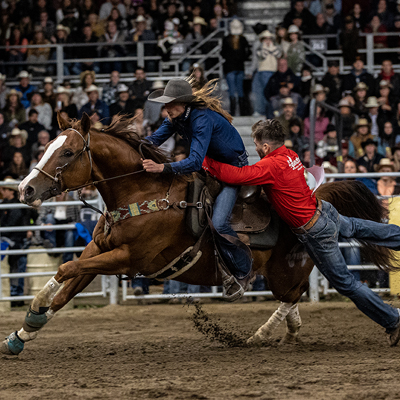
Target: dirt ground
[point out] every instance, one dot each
(154, 351)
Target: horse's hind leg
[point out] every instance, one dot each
(293, 325)
(263, 334)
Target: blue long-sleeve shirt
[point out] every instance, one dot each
(208, 133)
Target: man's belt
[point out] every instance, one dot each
(307, 226)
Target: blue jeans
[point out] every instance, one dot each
(321, 242)
(260, 80)
(234, 80)
(235, 258)
(352, 256)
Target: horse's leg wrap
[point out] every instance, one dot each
(293, 325)
(13, 345)
(264, 332)
(43, 299)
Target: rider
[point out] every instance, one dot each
(199, 117)
(318, 227)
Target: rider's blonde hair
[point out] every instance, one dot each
(204, 97)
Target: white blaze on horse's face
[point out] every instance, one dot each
(57, 143)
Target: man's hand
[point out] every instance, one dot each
(151, 166)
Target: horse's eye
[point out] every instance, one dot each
(68, 153)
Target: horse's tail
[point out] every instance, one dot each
(353, 199)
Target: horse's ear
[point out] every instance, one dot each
(62, 123)
(85, 123)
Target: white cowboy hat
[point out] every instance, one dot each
(332, 169)
(12, 184)
(2, 77)
(199, 21)
(122, 88)
(319, 88)
(372, 102)
(92, 88)
(293, 29)
(48, 79)
(385, 162)
(62, 89)
(236, 27)
(63, 28)
(22, 132)
(140, 18)
(288, 101)
(158, 85)
(24, 74)
(265, 34)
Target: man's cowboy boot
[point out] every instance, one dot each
(394, 335)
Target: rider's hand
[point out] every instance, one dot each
(151, 166)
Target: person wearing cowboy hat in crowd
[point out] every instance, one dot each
(358, 74)
(44, 109)
(63, 104)
(288, 112)
(195, 35)
(124, 105)
(14, 111)
(360, 98)
(200, 118)
(152, 109)
(318, 93)
(140, 87)
(302, 13)
(48, 93)
(235, 50)
(80, 97)
(387, 185)
(16, 142)
(62, 37)
(32, 126)
(388, 102)
(361, 134)
(10, 218)
(371, 157)
(333, 81)
(284, 92)
(387, 74)
(296, 53)
(348, 118)
(3, 91)
(110, 89)
(24, 87)
(266, 65)
(95, 103)
(372, 107)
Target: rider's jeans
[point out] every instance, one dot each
(236, 259)
(321, 242)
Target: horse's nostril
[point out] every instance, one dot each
(29, 191)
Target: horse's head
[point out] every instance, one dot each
(66, 163)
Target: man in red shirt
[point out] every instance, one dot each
(317, 224)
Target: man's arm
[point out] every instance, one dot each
(261, 173)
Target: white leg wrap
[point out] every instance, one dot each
(293, 320)
(265, 331)
(46, 295)
(50, 314)
(26, 336)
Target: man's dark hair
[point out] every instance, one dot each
(32, 111)
(270, 131)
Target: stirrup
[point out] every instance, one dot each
(228, 283)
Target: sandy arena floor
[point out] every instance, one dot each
(154, 352)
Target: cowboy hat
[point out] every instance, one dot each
(332, 169)
(87, 72)
(318, 88)
(362, 122)
(293, 29)
(48, 79)
(368, 142)
(140, 18)
(199, 21)
(344, 103)
(360, 86)
(92, 88)
(236, 27)
(122, 88)
(14, 91)
(24, 74)
(288, 101)
(372, 102)
(2, 77)
(22, 132)
(383, 83)
(62, 89)
(177, 90)
(158, 85)
(11, 184)
(63, 28)
(385, 162)
(265, 34)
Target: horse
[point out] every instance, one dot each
(156, 234)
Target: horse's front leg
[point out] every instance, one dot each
(49, 300)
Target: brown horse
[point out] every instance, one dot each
(146, 243)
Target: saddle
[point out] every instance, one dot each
(252, 218)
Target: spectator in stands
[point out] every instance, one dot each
(287, 114)
(48, 94)
(3, 91)
(142, 126)
(24, 87)
(384, 14)
(349, 40)
(360, 98)
(122, 24)
(80, 97)
(284, 74)
(396, 157)
(71, 21)
(32, 126)
(332, 17)
(40, 6)
(4, 131)
(333, 81)
(296, 52)
(387, 74)
(124, 105)
(15, 217)
(42, 140)
(301, 12)
(380, 42)
(26, 26)
(140, 88)
(38, 57)
(296, 135)
(97, 25)
(105, 9)
(359, 17)
(284, 92)
(358, 74)
(140, 33)
(62, 11)
(44, 110)
(152, 109)
(361, 135)
(89, 52)
(16, 55)
(388, 103)
(117, 49)
(64, 104)
(388, 138)
(14, 112)
(86, 8)
(197, 72)
(371, 158)
(95, 103)
(267, 65)
(328, 147)
(48, 27)
(193, 38)
(281, 35)
(17, 142)
(235, 51)
(372, 107)
(321, 123)
(17, 168)
(61, 37)
(110, 89)
(348, 118)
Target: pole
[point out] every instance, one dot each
(313, 109)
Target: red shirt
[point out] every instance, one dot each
(282, 175)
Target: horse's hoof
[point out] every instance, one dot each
(289, 339)
(12, 346)
(256, 341)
